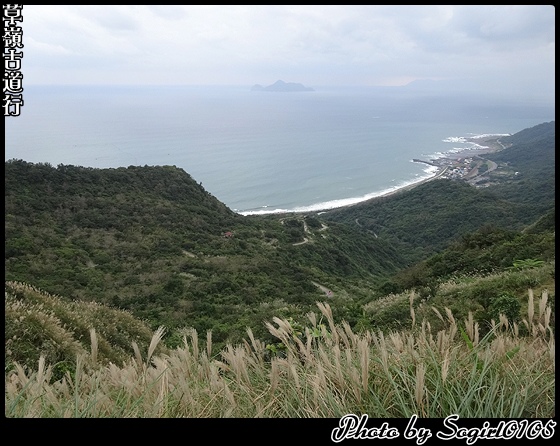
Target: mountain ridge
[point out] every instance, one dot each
(153, 241)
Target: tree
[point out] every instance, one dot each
(506, 304)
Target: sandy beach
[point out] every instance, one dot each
(446, 166)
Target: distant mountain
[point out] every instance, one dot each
(282, 87)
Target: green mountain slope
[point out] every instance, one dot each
(487, 251)
(530, 156)
(153, 241)
(37, 323)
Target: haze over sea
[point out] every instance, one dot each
(263, 152)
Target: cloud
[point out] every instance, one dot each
(171, 12)
(45, 48)
(327, 45)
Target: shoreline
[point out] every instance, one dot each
(486, 144)
(482, 144)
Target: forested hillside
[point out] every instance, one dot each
(531, 157)
(153, 241)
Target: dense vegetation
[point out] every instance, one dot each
(490, 249)
(100, 259)
(58, 329)
(153, 241)
(530, 157)
(322, 370)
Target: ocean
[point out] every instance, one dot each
(263, 152)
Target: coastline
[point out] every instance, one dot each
(480, 145)
(484, 144)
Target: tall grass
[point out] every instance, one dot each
(325, 371)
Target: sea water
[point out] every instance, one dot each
(262, 152)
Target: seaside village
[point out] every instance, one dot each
(473, 169)
(459, 169)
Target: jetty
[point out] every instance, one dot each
(425, 162)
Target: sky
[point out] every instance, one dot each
(499, 48)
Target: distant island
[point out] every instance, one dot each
(282, 87)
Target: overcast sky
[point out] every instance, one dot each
(508, 48)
